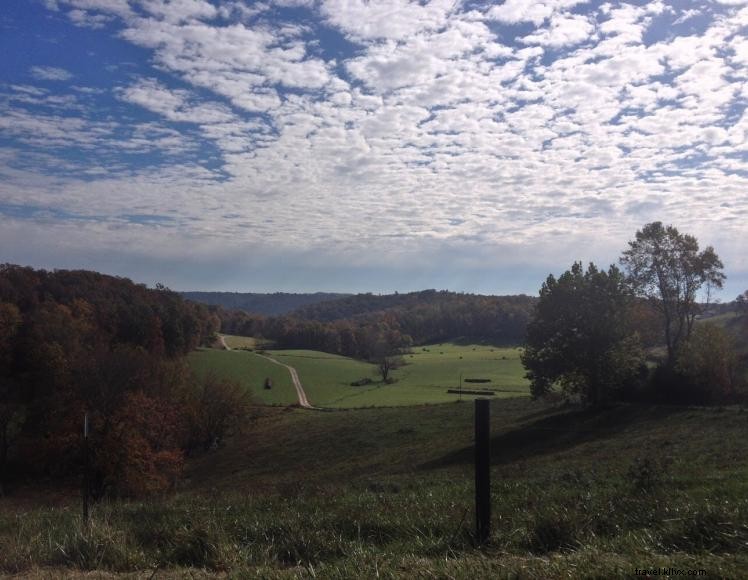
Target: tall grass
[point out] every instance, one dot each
(357, 495)
(607, 526)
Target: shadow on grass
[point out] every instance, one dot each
(557, 432)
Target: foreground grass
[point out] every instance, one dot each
(388, 493)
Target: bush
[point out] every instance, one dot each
(708, 366)
(362, 382)
(217, 407)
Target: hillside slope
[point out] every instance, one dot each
(360, 305)
(389, 493)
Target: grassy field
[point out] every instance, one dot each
(250, 370)
(388, 493)
(428, 373)
(242, 341)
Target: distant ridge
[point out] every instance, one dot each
(358, 305)
(273, 304)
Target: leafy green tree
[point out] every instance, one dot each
(578, 338)
(667, 268)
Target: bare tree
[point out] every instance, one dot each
(385, 365)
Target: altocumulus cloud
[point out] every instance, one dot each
(462, 137)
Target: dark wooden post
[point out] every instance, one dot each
(87, 469)
(482, 470)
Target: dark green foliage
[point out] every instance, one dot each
(579, 337)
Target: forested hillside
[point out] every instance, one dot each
(273, 304)
(76, 342)
(363, 304)
(366, 326)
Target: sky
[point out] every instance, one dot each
(353, 146)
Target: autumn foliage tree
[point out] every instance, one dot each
(216, 407)
(76, 342)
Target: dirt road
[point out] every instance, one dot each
(303, 401)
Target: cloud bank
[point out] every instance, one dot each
(356, 130)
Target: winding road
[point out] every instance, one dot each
(303, 401)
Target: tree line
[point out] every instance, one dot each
(366, 326)
(77, 342)
(595, 334)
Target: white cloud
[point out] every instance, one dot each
(563, 30)
(50, 73)
(387, 19)
(179, 10)
(86, 19)
(174, 105)
(438, 128)
(515, 11)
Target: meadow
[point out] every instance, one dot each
(429, 371)
(388, 493)
(248, 369)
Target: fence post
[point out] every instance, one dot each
(87, 469)
(482, 470)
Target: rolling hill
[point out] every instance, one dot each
(274, 304)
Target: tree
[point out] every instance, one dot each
(667, 268)
(386, 364)
(578, 338)
(741, 303)
(216, 408)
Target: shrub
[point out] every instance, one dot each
(362, 382)
(217, 407)
(708, 366)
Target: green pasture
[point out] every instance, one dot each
(427, 373)
(424, 378)
(250, 370)
(241, 341)
(326, 377)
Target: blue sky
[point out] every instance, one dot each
(345, 145)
